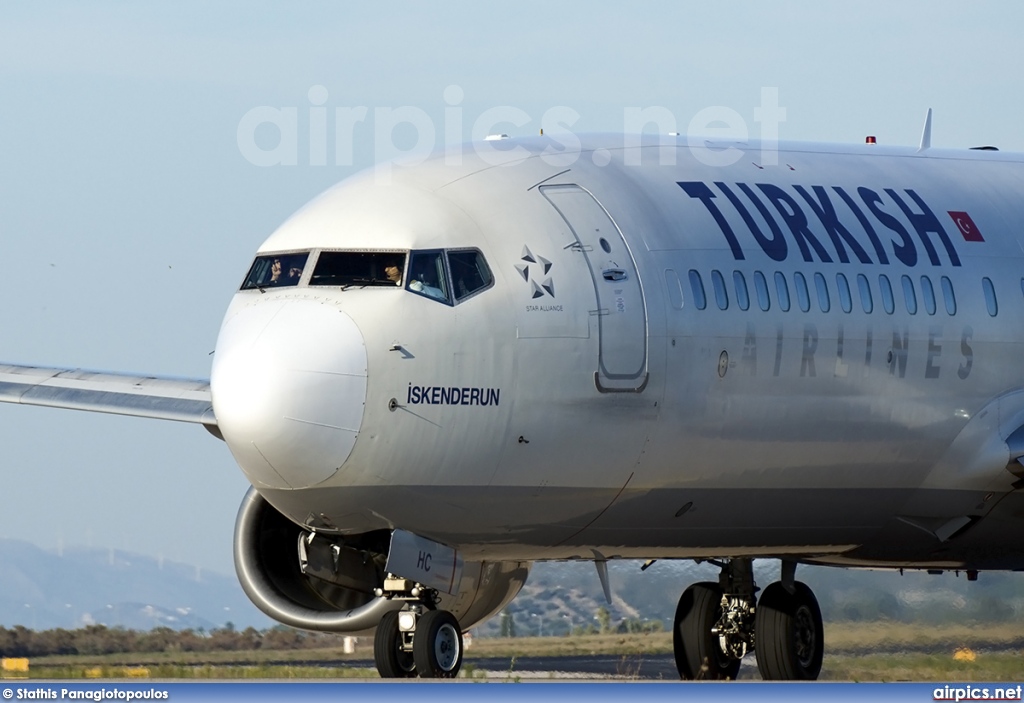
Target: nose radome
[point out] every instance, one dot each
(289, 388)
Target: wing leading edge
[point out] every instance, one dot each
(179, 399)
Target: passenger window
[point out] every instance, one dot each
(470, 273)
(803, 296)
(427, 275)
(276, 271)
(782, 290)
(947, 295)
(866, 301)
(742, 296)
(888, 302)
(761, 286)
(909, 295)
(928, 293)
(990, 297)
(697, 286)
(721, 295)
(358, 268)
(822, 288)
(845, 299)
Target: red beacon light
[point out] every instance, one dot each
(870, 140)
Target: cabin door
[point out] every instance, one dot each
(621, 310)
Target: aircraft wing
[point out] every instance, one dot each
(180, 399)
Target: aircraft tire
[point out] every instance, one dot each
(697, 652)
(391, 661)
(790, 634)
(437, 645)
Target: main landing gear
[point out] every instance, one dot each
(419, 640)
(716, 624)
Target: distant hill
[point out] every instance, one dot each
(561, 595)
(42, 589)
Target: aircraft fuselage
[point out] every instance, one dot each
(817, 358)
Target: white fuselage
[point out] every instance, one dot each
(587, 402)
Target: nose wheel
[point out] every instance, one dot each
(428, 645)
(437, 646)
(391, 651)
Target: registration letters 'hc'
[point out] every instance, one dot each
(424, 561)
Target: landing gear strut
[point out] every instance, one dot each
(419, 640)
(717, 624)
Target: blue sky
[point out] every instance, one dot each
(128, 214)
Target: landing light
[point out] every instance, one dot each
(407, 621)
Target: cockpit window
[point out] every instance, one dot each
(427, 275)
(275, 271)
(358, 268)
(470, 272)
(445, 275)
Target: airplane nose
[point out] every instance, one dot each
(289, 387)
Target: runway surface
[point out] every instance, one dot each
(647, 667)
(604, 666)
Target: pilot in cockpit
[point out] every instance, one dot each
(393, 272)
(279, 276)
(421, 280)
(275, 273)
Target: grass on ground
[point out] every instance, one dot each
(877, 651)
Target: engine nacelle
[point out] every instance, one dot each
(318, 583)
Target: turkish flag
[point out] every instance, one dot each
(966, 225)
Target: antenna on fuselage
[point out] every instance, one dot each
(926, 133)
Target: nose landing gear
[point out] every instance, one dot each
(419, 640)
(717, 624)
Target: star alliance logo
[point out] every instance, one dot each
(541, 268)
